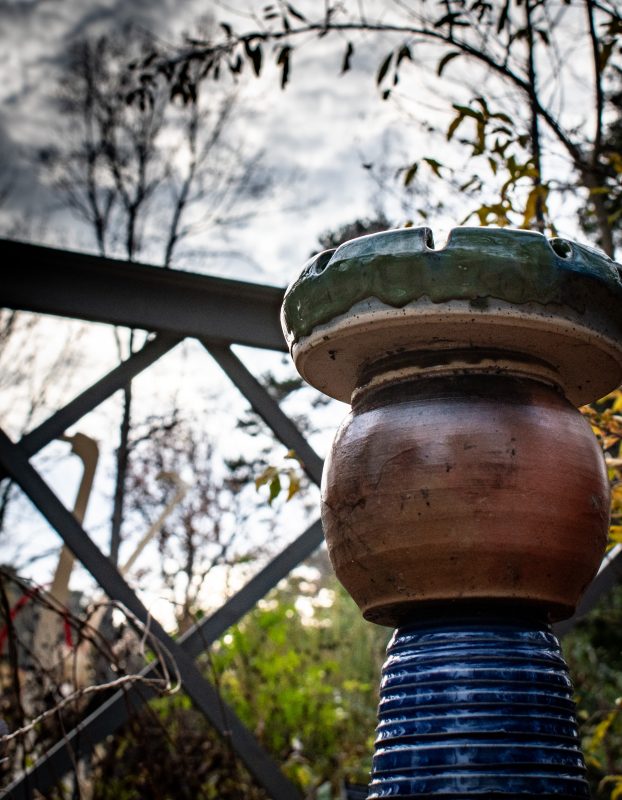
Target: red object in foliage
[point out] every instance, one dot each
(67, 631)
(23, 600)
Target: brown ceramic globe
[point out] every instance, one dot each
(471, 488)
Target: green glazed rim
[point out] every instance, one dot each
(399, 267)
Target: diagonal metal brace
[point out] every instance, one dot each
(116, 379)
(205, 697)
(116, 710)
(609, 574)
(267, 408)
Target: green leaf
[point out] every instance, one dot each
(267, 475)
(410, 173)
(275, 488)
(503, 117)
(455, 124)
(283, 62)
(502, 129)
(473, 181)
(480, 144)
(384, 68)
(467, 111)
(347, 58)
(483, 104)
(444, 61)
(254, 54)
(434, 165)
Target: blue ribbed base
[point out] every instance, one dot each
(476, 708)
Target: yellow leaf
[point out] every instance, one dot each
(616, 791)
(294, 483)
(600, 731)
(268, 475)
(615, 534)
(538, 194)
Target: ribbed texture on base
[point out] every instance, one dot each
(476, 708)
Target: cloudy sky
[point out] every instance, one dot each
(315, 135)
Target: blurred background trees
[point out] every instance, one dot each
(514, 113)
(530, 92)
(146, 176)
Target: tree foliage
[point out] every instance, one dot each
(137, 173)
(593, 647)
(169, 752)
(205, 534)
(351, 230)
(523, 142)
(146, 174)
(302, 671)
(593, 652)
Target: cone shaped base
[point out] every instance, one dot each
(477, 707)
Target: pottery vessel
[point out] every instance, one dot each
(465, 499)
(474, 487)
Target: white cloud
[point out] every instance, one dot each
(313, 132)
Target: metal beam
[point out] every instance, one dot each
(204, 696)
(139, 296)
(268, 409)
(116, 710)
(231, 612)
(116, 379)
(609, 574)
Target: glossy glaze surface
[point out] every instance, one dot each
(477, 264)
(476, 707)
(530, 299)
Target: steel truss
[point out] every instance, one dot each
(172, 305)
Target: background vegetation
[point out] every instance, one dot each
(529, 130)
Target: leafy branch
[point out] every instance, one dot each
(504, 39)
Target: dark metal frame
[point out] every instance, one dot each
(172, 305)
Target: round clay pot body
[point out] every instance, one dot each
(472, 488)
